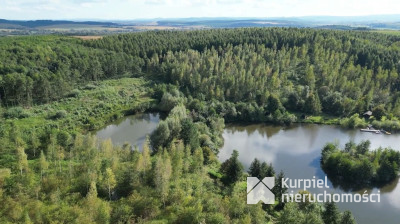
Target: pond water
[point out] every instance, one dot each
(132, 129)
(295, 150)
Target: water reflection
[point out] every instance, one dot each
(132, 129)
(296, 150)
(394, 192)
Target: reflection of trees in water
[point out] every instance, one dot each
(360, 188)
(139, 118)
(264, 130)
(132, 119)
(312, 133)
(316, 163)
(117, 122)
(352, 134)
(147, 118)
(233, 128)
(271, 130)
(390, 187)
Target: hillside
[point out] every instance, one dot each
(19, 27)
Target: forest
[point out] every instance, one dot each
(255, 74)
(55, 90)
(356, 164)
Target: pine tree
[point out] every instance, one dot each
(266, 170)
(347, 218)
(255, 169)
(331, 214)
(279, 190)
(232, 168)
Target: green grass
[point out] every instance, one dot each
(92, 108)
(318, 119)
(322, 119)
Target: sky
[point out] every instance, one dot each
(146, 9)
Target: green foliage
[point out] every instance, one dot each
(74, 93)
(59, 114)
(190, 134)
(160, 136)
(357, 164)
(347, 218)
(353, 122)
(232, 169)
(379, 111)
(273, 104)
(279, 190)
(16, 112)
(44, 68)
(194, 134)
(312, 104)
(294, 213)
(303, 68)
(331, 214)
(169, 101)
(92, 109)
(255, 169)
(202, 79)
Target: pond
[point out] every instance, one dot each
(132, 129)
(295, 150)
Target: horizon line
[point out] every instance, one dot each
(205, 17)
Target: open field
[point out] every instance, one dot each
(391, 32)
(160, 27)
(89, 37)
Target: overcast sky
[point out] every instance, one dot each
(136, 9)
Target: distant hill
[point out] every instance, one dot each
(351, 19)
(18, 24)
(232, 23)
(342, 27)
(19, 27)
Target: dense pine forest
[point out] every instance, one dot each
(248, 73)
(54, 90)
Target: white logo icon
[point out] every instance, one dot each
(260, 190)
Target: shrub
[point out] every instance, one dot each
(16, 112)
(59, 114)
(90, 87)
(353, 122)
(168, 101)
(391, 125)
(74, 93)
